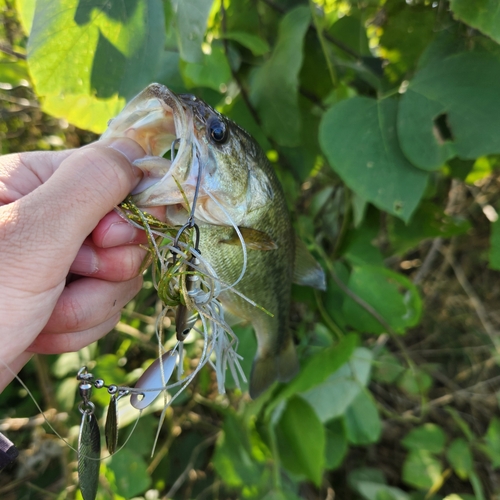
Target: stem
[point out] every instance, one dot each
(322, 41)
(276, 461)
(326, 317)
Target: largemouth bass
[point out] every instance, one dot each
(238, 187)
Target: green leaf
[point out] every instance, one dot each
(415, 382)
(462, 424)
(352, 31)
(94, 49)
(391, 294)
(407, 32)
(359, 248)
(376, 491)
(451, 88)
(301, 440)
(476, 486)
(332, 398)
(429, 221)
(212, 72)
(422, 470)
(256, 44)
(387, 368)
(460, 458)
(362, 420)
(274, 90)
(428, 437)
(483, 15)
(280, 495)
(320, 366)
(492, 442)
(190, 26)
(130, 471)
(233, 459)
(494, 254)
(358, 136)
(365, 474)
(335, 444)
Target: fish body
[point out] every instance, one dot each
(238, 187)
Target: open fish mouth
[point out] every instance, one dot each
(160, 122)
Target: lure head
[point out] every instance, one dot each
(210, 145)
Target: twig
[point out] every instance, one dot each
(16, 424)
(428, 261)
(133, 332)
(474, 299)
(11, 52)
(19, 101)
(194, 455)
(324, 48)
(448, 398)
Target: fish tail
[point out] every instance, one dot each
(281, 366)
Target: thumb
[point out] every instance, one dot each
(54, 219)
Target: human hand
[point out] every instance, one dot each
(56, 218)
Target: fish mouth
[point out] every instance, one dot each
(160, 121)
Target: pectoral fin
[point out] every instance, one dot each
(307, 271)
(254, 239)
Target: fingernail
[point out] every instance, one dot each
(85, 261)
(128, 148)
(119, 233)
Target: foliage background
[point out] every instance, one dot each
(382, 119)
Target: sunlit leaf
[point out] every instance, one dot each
(26, 10)
(358, 136)
(96, 48)
(87, 112)
(302, 443)
(274, 90)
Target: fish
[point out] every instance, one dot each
(238, 188)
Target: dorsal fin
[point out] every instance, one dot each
(307, 271)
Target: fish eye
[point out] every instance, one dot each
(217, 130)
